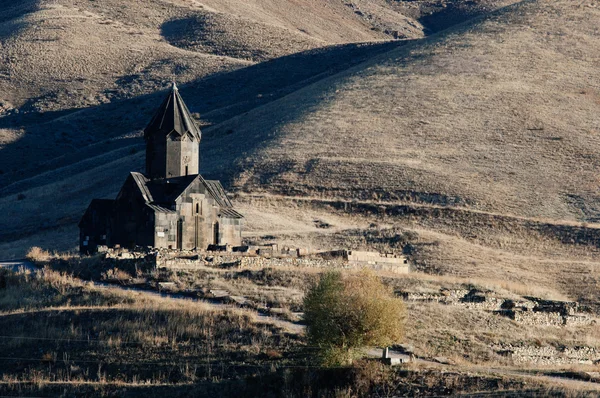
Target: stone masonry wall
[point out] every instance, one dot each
(242, 261)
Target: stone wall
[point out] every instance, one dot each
(539, 318)
(548, 355)
(241, 261)
(262, 257)
(374, 260)
(528, 310)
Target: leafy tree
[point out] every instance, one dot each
(345, 314)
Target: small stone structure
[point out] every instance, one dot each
(382, 262)
(548, 355)
(388, 360)
(171, 205)
(528, 310)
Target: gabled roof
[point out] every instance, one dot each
(217, 191)
(160, 209)
(101, 207)
(229, 212)
(160, 194)
(167, 190)
(141, 181)
(173, 115)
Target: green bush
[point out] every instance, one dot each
(345, 314)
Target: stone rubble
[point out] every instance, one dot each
(548, 355)
(528, 311)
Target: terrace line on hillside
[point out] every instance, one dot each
(171, 205)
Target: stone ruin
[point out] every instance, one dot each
(374, 260)
(527, 310)
(549, 355)
(259, 257)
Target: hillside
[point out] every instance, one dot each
(497, 115)
(61, 56)
(79, 79)
(494, 118)
(462, 135)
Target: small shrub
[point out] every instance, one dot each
(37, 254)
(345, 314)
(116, 275)
(273, 354)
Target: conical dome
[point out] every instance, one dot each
(173, 115)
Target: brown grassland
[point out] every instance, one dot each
(463, 134)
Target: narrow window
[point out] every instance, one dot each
(197, 208)
(186, 170)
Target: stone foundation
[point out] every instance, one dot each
(174, 259)
(529, 310)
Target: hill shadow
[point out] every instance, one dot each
(52, 140)
(454, 13)
(11, 10)
(446, 18)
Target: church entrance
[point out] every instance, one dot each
(180, 234)
(216, 233)
(197, 231)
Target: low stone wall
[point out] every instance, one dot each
(174, 259)
(549, 355)
(241, 261)
(539, 318)
(444, 296)
(529, 310)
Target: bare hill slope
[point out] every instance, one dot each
(495, 115)
(61, 56)
(499, 115)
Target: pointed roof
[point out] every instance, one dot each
(160, 194)
(173, 115)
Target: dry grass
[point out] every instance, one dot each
(481, 121)
(159, 342)
(70, 331)
(469, 336)
(422, 281)
(37, 255)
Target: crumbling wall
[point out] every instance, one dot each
(549, 355)
(528, 310)
(240, 261)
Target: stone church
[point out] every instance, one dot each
(171, 205)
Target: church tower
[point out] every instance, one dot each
(172, 140)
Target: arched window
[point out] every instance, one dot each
(197, 208)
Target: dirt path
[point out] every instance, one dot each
(290, 327)
(563, 381)
(15, 265)
(267, 196)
